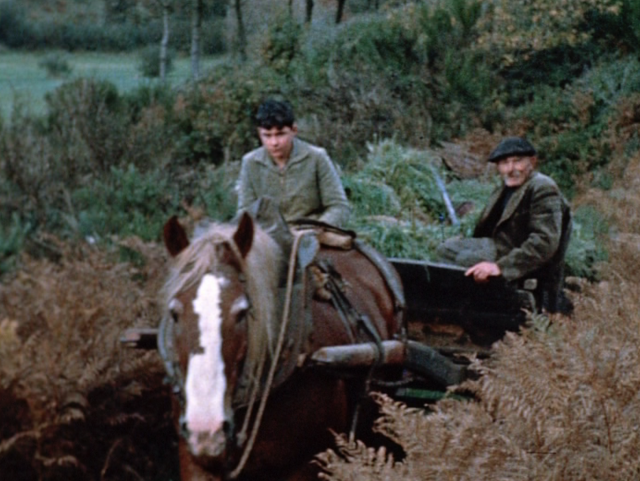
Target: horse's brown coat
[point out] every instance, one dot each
(301, 412)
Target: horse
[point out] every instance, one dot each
(246, 405)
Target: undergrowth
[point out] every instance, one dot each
(557, 401)
(75, 404)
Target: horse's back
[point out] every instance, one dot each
(368, 287)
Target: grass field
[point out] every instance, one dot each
(22, 78)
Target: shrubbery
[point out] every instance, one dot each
(22, 31)
(417, 74)
(149, 64)
(56, 65)
(379, 93)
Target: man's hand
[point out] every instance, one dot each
(483, 270)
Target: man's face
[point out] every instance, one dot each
(278, 141)
(515, 170)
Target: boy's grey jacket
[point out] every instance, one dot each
(533, 231)
(308, 187)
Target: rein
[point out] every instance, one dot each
(298, 235)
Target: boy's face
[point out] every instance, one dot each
(278, 141)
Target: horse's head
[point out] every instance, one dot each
(218, 308)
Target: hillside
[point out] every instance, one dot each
(397, 95)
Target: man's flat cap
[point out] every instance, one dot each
(512, 146)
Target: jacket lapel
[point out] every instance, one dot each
(515, 200)
(491, 203)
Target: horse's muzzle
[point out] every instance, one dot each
(207, 444)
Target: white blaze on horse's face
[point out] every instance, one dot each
(206, 383)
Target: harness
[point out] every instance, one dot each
(292, 337)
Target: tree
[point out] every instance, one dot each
(166, 8)
(340, 11)
(164, 43)
(308, 11)
(242, 34)
(196, 27)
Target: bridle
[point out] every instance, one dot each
(175, 377)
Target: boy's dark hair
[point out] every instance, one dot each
(275, 113)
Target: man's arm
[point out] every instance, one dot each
(246, 193)
(545, 231)
(332, 194)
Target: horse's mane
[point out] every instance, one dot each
(263, 265)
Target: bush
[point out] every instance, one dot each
(410, 173)
(12, 239)
(68, 384)
(409, 75)
(398, 206)
(587, 248)
(14, 27)
(29, 180)
(281, 46)
(149, 63)
(88, 125)
(215, 119)
(129, 203)
(56, 65)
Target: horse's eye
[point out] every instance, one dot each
(239, 307)
(175, 308)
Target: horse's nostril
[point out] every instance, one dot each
(227, 428)
(184, 430)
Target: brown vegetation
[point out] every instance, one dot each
(558, 401)
(73, 403)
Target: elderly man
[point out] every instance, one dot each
(524, 230)
(299, 177)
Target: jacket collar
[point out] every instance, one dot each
(299, 151)
(514, 201)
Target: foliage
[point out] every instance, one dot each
(90, 129)
(521, 27)
(11, 242)
(616, 30)
(398, 206)
(149, 64)
(56, 65)
(215, 117)
(409, 74)
(281, 45)
(555, 401)
(139, 204)
(109, 165)
(75, 405)
(22, 27)
(12, 23)
(587, 251)
(86, 122)
(28, 181)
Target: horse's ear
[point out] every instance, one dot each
(243, 236)
(175, 237)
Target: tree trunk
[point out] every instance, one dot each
(309, 11)
(164, 44)
(196, 27)
(340, 11)
(242, 35)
